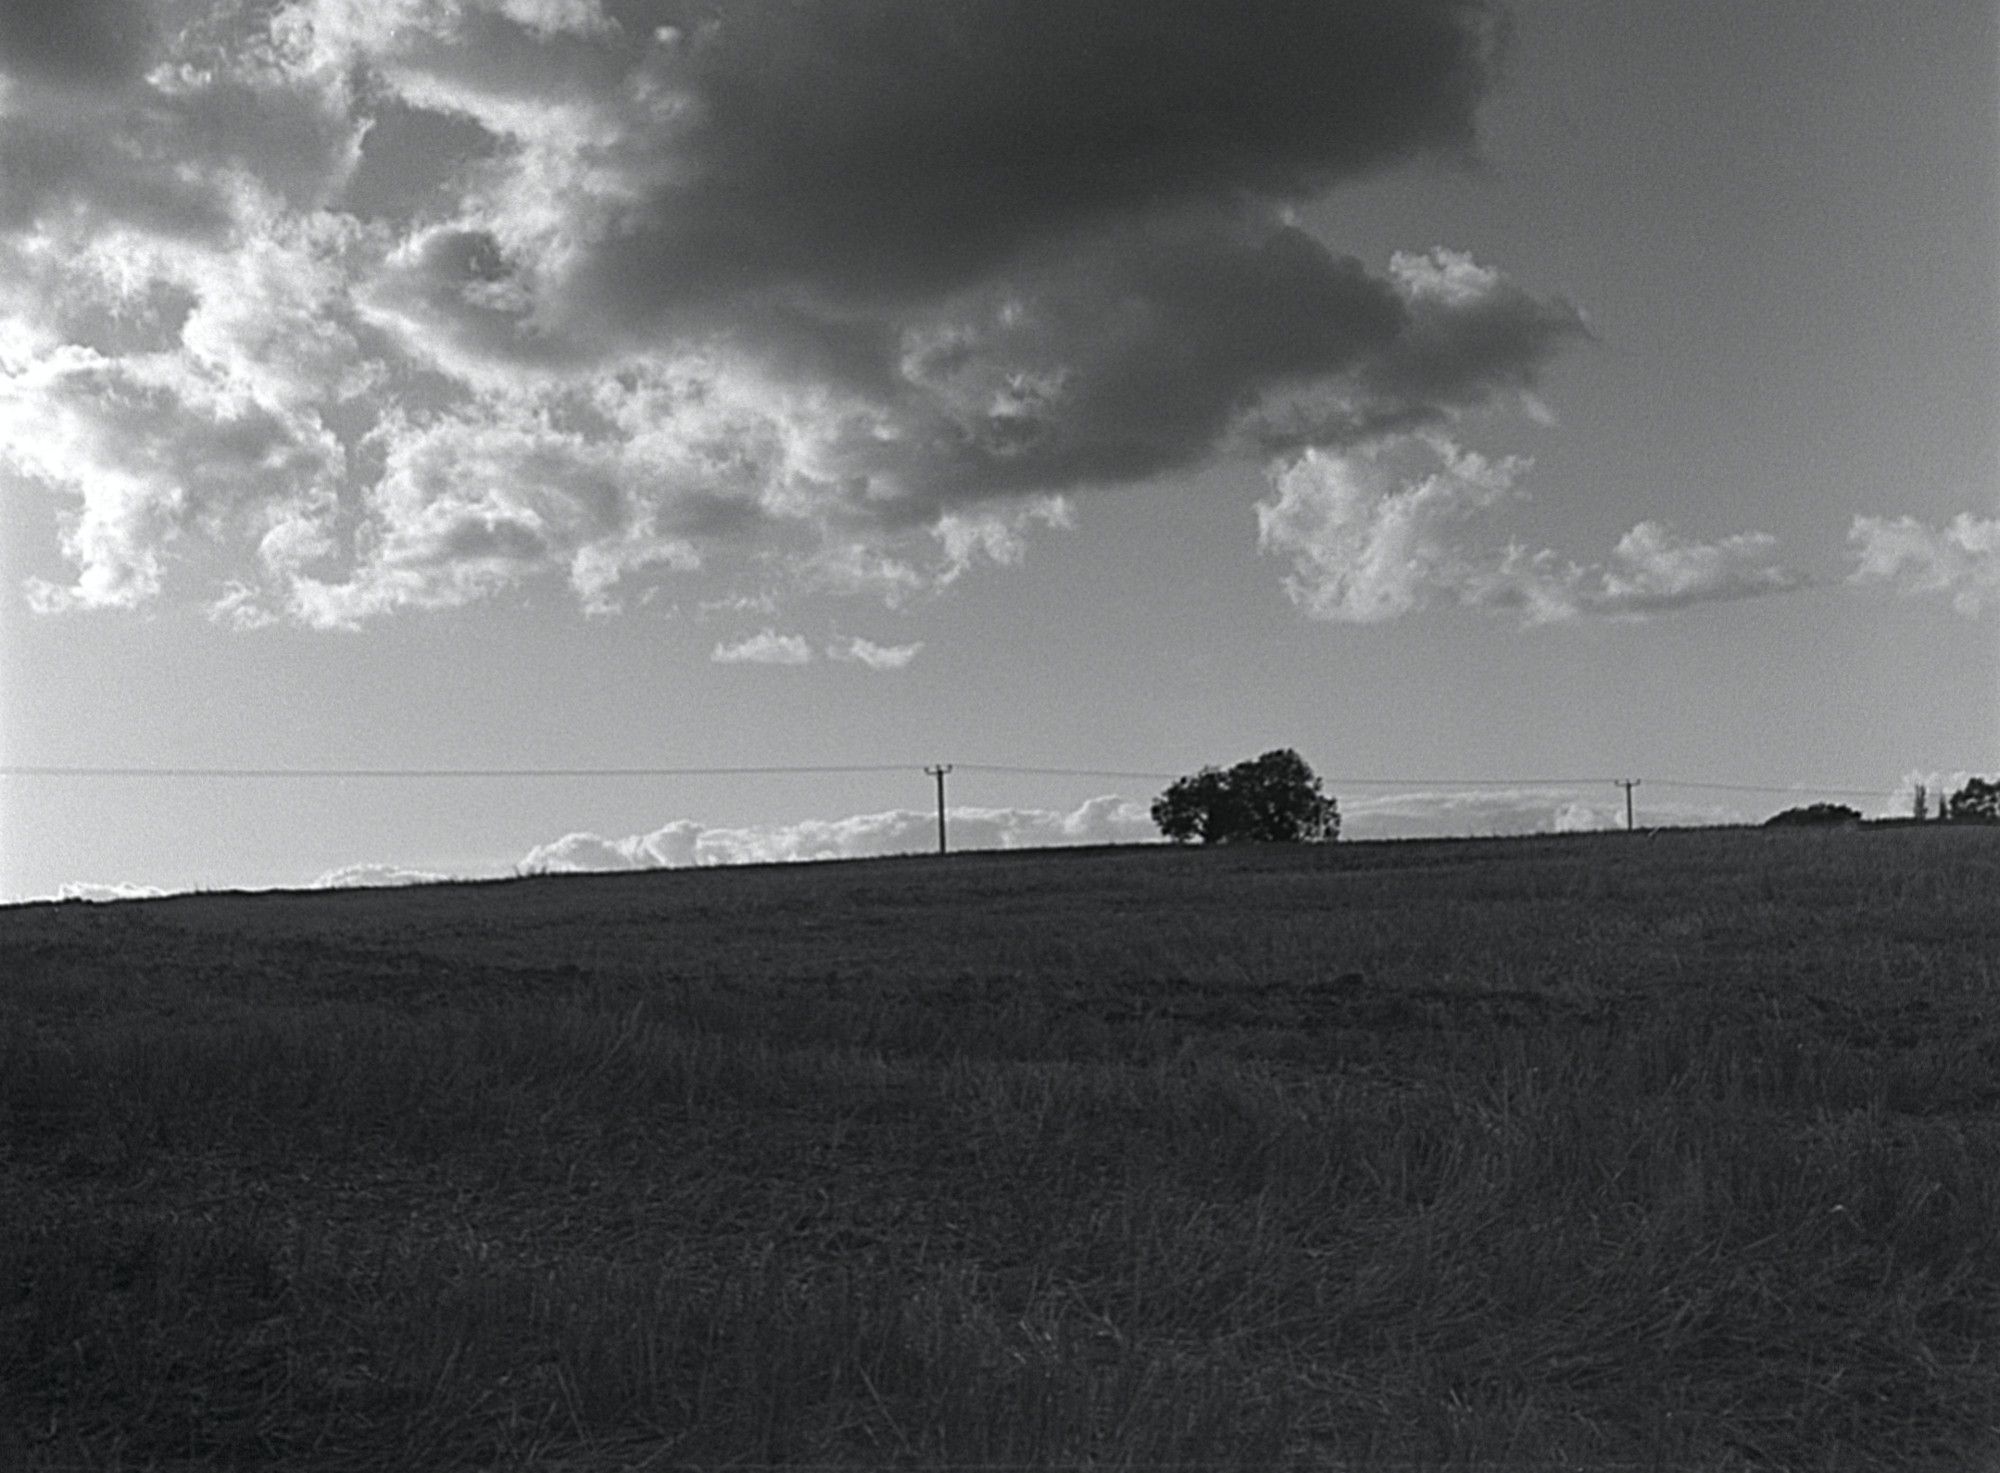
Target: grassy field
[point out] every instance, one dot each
(1675, 1151)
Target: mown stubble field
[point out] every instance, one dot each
(1678, 1151)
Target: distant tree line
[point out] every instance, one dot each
(1278, 799)
(1977, 802)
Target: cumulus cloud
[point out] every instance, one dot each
(88, 890)
(766, 647)
(1366, 545)
(375, 876)
(403, 305)
(1111, 819)
(1582, 818)
(874, 656)
(1393, 526)
(1653, 570)
(685, 843)
(1960, 559)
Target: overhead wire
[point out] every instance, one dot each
(780, 770)
(441, 772)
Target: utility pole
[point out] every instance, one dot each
(1628, 783)
(938, 772)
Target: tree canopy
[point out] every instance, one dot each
(1977, 802)
(1272, 799)
(1815, 813)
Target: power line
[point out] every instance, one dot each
(1803, 789)
(778, 770)
(1066, 771)
(440, 772)
(1469, 782)
(1348, 782)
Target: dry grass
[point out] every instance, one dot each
(1670, 1152)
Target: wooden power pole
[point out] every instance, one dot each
(938, 772)
(1628, 783)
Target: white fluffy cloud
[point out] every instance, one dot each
(87, 890)
(1582, 818)
(375, 876)
(347, 877)
(1370, 539)
(1111, 819)
(1960, 559)
(1106, 820)
(1367, 546)
(874, 656)
(401, 305)
(766, 647)
(1652, 570)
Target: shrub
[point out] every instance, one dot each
(1815, 813)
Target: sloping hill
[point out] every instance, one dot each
(1595, 1147)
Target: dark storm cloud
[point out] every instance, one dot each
(1176, 333)
(1024, 248)
(1142, 350)
(1465, 335)
(413, 161)
(884, 151)
(1120, 357)
(92, 43)
(1470, 333)
(48, 168)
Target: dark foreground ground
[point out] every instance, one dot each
(1678, 1151)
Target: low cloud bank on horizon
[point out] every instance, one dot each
(1108, 819)
(320, 310)
(686, 843)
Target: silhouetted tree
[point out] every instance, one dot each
(1815, 813)
(1977, 802)
(1920, 808)
(1196, 807)
(1272, 799)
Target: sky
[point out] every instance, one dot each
(1487, 402)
